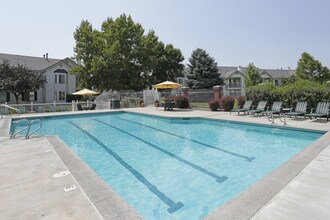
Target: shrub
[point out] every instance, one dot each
(241, 101)
(182, 102)
(290, 94)
(227, 102)
(214, 104)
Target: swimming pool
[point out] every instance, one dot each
(175, 168)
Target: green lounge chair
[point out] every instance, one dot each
(246, 107)
(261, 107)
(322, 110)
(276, 108)
(300, 110)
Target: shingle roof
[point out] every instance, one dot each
(279, 73)
(33, 63)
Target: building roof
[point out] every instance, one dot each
(279, 73)
(33, 63)
(226, 71)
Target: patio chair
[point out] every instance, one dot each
(246, 107)
(261, 107)
(92, 107)
(322, 110)
(300, 110)
(80, 108)
(276, 108)
(168, 105)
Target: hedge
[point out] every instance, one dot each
(300, 90)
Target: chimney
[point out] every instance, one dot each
(46, 56)
(239, 68)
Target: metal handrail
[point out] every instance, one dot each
(27, 126)
(7, 106)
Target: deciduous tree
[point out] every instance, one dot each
(121, 57)
(312, 69)
(19, 79)
(252, 75)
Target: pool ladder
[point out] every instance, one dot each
(270, 117)
(26, 126)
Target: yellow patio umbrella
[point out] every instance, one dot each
(85, 92)
(167, 85)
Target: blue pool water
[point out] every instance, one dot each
(175, 168)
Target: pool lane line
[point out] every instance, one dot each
(249, 159)
(219, 179)
(173, 207)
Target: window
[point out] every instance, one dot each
(35, 96)
(55, 78)
(276, 82)
(61, 79)
(61, 95)
(8, 97)
(25, 96)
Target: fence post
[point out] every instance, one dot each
(217, 92)
(31, 107)
(72, 105)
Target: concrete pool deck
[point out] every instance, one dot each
(297, 190)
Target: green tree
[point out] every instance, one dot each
(252, 75)
(165, 61)
(120, 56)
(311, 69)
(19, 79)
(203, 71)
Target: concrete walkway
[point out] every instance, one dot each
(28, 189)
(297, 190)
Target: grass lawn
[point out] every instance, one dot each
(199, 104)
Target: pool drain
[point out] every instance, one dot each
(321, 159)
(61, 174)
(69, 188)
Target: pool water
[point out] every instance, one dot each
(175, 168)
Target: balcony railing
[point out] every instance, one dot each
(233, 85)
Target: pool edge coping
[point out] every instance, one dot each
(254, 198)
(243, 206)
(107, 202)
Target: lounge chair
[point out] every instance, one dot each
(300, 110)
(276, 108)
(322, 110)
(261, 107)
(246, 107)
(79, 107)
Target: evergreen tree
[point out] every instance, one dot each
(252, 75)
(203, 71)
(309, 68)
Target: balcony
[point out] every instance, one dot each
(235, 85)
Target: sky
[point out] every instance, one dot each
(271, 34)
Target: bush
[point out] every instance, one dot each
(214, 104)
(182, 102)
(227, 102)
(290, 94)
(241, 101)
